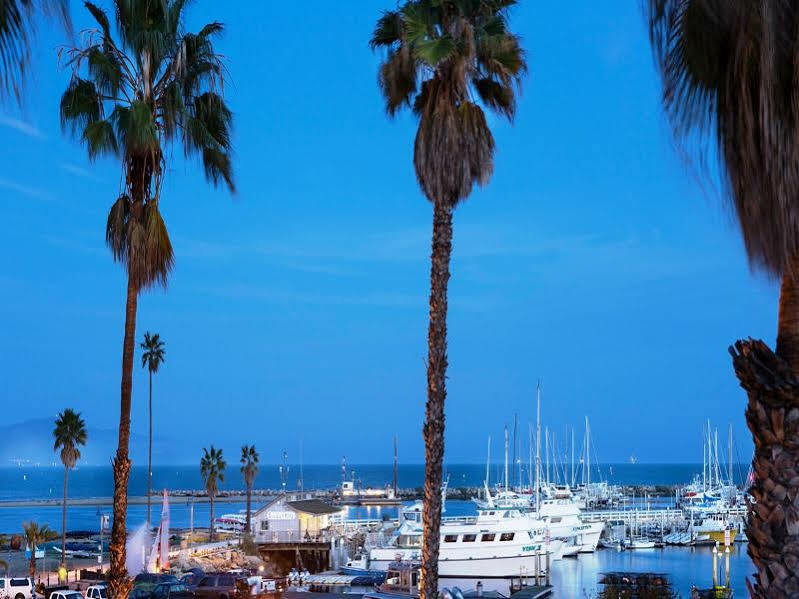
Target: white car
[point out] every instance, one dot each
(16, 588)
(97, 591)
(65, 595)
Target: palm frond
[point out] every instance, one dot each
(81, 105)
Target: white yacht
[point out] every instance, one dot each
(563, 519)
(498, 543)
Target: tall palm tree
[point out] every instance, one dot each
(212, 468)
(152, 357)
(249, 468)
(69, 436)
(133, 97)
(441, 55)
(730, 89)
(35, 535)
(17, 25)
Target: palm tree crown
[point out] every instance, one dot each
(16, 30)
(212, 468)
(153, 353)
(440, 55)
(155, 86)
(249, 463)
(729, 72)
(69, 435)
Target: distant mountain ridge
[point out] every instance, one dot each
(31, 442)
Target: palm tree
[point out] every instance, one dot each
(729, 88)
(212, 468)
(69, 435)
(17, 25)
(152, 357)
(440, 54)
(36, 535)
(133, 98)
(249, 468)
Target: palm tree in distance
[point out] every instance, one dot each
(729, 76)
(69, 436)
(440, 54)
(134, 97)
(36, 535)
(212, 468)
(249, 468)
(17, 25)
(152, 357)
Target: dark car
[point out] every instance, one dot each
(216, 586)
(139, 592)
(191, 578)
(171, 590)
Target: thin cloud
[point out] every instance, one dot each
(79, 171)
(22, 127)
(24, 189)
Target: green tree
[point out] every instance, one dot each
(249, 468)
(69, 436)
(441, 55)
(17, 28)
(134, 97)
(730, 91)
(152, 357)
(36, 535)
(212, 468)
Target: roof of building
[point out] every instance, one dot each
(312, 506)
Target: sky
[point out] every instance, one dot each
(296, 315)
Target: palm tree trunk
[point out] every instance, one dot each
(150, 454)
(119, 583)
(436, 394)
(772, 414)
(64, 520)
(249, 497)
(211, 529)
(32, 566)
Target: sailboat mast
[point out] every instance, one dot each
(716, 459)
(572, 482)
(506, 458)
(538, 449)
(729, 456)
(546, 451)
(530, 450)
(395, 465)
(587, 452)
(488, 460)
(515, 431)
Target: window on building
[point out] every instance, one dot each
(469, 538)
(506, 536)
(264, 524)
(450, 538)
(487, 538)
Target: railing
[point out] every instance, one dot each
(292, 536)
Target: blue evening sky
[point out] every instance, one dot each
(298, 309)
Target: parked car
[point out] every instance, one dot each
(216, 586)
(16, 588)
(66, 595)
(171, 590)
(192, 577)
(139, 592)
(97, 591)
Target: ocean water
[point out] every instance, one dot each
(31, 482)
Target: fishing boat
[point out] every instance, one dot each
(232, 523)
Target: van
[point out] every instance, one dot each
(16, 588)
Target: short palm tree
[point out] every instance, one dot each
(445, 59)
(729, 78)
(69, 436)
(133, 96)
(152, 357)
(249, 468)
(212, 468)
(36, 535)
(17, 20)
